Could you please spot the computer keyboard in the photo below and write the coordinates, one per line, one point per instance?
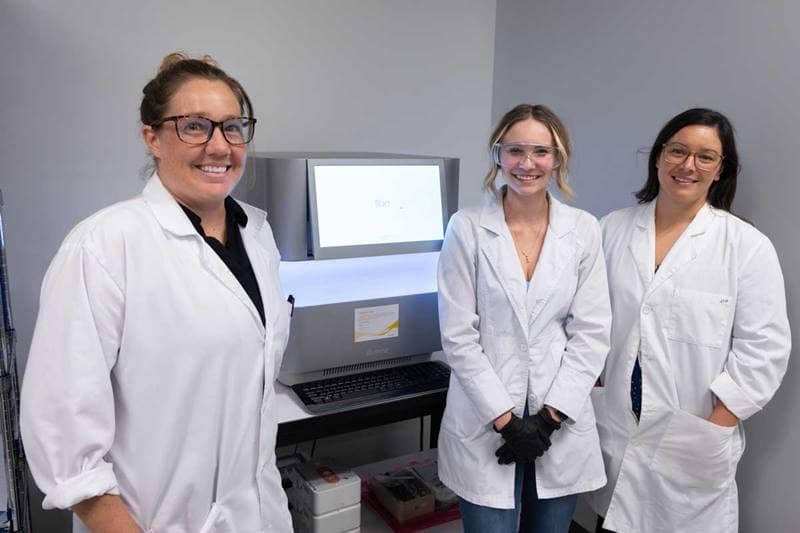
(397, 382)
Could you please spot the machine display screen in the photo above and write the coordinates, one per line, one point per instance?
(389, 208)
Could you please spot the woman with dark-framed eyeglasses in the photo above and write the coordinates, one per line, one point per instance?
(525, 322)
(700, 338)
(148, 400)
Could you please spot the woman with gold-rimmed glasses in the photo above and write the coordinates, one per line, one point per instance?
(148, 401)
(700, 337)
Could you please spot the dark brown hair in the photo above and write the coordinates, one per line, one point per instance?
(176, 69)
(722, 191)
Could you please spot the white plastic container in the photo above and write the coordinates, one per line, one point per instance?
(342, 520)
(321, 487)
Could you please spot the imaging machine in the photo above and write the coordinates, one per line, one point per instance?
(359, 237)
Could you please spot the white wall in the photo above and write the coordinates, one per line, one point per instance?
(616, 71)
(412, 76)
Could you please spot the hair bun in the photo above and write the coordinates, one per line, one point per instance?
(170, 60)
(176, 69)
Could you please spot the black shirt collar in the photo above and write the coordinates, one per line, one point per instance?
(234, 214)
(233, 253)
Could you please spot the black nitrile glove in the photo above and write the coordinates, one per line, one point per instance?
(526, 438)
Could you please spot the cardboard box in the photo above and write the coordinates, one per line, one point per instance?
(429, 474)
(403, 494)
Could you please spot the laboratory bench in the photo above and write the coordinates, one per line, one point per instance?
(296, 425)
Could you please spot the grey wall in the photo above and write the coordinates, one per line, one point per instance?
(411, 76)
(616, 71)
(415, 77)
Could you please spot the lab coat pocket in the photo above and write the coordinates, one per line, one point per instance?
(598, 397)
(216, 522)
(586, 422)
(698, 317)
(694, 452)
(460, 417)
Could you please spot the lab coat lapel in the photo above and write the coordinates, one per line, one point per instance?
(212, 262)
(556, 253)
(172, 218)
(498, 248)
(259, 262)
(642, 246)
(686, 249)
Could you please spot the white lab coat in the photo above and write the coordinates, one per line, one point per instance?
(711, 321)
(509, 343)
(151, 375)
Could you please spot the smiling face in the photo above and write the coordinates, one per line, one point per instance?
(199, 176)
(684, 184)
(528, 175)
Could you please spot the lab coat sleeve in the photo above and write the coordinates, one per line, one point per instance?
(587, 327)
(459, 321)
(67, 404)
(761, 340)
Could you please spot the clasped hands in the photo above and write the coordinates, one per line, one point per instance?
(526, 438)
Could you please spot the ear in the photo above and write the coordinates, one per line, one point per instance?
(152, 141)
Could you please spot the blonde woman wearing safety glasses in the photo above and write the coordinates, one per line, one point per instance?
(700, 339)
(525, 320)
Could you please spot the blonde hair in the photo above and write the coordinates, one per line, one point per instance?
(557, 129)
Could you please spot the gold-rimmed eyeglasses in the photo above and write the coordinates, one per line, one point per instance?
(676, 154)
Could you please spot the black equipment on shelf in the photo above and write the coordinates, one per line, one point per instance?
(15, 464)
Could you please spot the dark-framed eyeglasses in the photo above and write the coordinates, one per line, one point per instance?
(195, 129)
(676, 154)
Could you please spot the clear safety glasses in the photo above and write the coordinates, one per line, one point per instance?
(511, 154)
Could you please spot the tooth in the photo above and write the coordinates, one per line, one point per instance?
(213, 169)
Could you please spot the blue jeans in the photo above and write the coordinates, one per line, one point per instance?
(552, 515)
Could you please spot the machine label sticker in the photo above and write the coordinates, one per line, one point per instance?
(373, 323)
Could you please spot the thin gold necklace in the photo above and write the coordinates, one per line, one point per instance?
(539, 236)
(525, 254)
